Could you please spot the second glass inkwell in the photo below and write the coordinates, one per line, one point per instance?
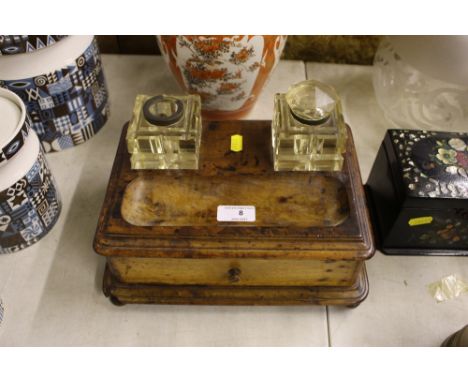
(308, 130)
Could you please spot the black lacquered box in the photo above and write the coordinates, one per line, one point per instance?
(418, 193)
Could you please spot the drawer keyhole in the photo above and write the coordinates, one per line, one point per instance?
(234, 275)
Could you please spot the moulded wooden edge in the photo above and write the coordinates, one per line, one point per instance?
(423, 252)
(124, 293)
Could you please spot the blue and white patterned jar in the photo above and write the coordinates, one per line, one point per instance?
(13, 134)
(15, 44)
(63, 88)
(29, 200)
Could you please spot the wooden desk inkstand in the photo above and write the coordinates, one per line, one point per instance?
(281, 220)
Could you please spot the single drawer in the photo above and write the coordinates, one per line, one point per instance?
(253, 272)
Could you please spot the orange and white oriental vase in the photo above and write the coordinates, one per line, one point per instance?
(228, 72)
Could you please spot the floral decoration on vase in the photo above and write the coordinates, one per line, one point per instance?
(228, 72)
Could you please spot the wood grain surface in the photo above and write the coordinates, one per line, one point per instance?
(283, 199)
(127, 293)
(250, 272)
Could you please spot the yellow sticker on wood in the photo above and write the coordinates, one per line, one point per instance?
(420, 221)
(236, 143)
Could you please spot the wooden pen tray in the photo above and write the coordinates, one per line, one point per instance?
(297, 199)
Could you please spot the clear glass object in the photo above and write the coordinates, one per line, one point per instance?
(447, 288)
(308, 130)
(165, 132)
(412, 99)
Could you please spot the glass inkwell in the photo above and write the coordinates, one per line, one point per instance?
(165, 132)
(308, 130)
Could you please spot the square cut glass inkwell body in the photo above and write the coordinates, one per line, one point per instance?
(308, 130)
(165, 132)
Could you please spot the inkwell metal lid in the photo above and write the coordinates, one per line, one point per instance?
(311, 102)
(163, 110)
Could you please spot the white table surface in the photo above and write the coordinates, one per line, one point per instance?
(52, 290)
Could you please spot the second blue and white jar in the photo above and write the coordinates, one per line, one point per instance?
(63, 88)
(29, 200)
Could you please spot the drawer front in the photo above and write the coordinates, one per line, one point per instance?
(234, 272)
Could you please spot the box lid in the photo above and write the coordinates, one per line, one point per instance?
(429, 165)
(173, 213)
